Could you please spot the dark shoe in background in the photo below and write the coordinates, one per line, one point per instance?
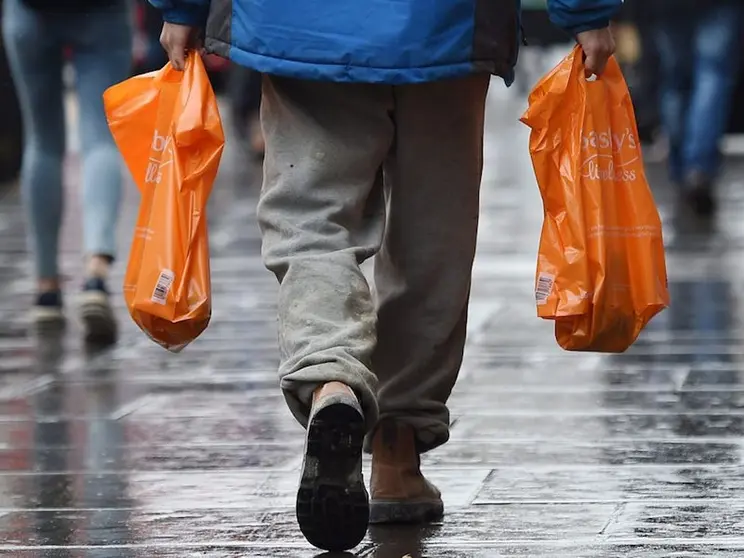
(699, 195)
(96, 313)
(48, 310)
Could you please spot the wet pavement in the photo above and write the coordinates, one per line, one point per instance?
(139, 453)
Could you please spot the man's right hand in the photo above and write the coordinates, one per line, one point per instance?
(598, 45)
(177, 40)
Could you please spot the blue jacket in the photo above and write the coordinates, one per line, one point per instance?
(374, 41)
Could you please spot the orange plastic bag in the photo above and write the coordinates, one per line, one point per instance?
(601, 273)
(168, 129)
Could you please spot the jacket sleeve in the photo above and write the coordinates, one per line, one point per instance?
(184, 12)
(582, 15)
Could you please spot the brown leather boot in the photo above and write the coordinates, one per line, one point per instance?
(257, 141)
(400, 493)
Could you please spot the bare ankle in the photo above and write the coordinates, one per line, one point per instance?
(99, 266)
(48, 284)
(331, 387)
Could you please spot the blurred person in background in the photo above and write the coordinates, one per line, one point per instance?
(99, 35)
(373, 117)
(150, 55)
(245, 98)
(698, 44)
(636, 53)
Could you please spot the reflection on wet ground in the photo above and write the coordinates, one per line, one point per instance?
(138, 453)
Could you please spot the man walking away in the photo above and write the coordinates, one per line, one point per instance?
(373, 118)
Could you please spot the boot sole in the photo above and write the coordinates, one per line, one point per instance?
(332, 502)
(47, 316)
(404, 513)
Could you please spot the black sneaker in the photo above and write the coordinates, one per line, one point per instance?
(48, 309)
(96, 314)
(699, 195)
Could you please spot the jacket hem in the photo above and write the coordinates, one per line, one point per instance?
(319, 71)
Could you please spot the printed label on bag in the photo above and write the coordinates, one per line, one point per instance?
(544, 288)
(612, 156)
(160, 294)
(162, 148)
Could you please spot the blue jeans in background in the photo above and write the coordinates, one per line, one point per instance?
(699, 58)
(101, 45)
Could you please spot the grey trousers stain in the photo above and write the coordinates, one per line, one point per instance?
(354, 171)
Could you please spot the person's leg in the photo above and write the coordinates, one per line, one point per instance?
(35, 57)
(257, 143)
(245, 93)
(717, 46)
(241, 101)
(152, 25)
(321, 215)
(423, 275)
(102, 54)
(675, 53)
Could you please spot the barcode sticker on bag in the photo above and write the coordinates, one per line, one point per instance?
(544, 287)
(160, 294)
